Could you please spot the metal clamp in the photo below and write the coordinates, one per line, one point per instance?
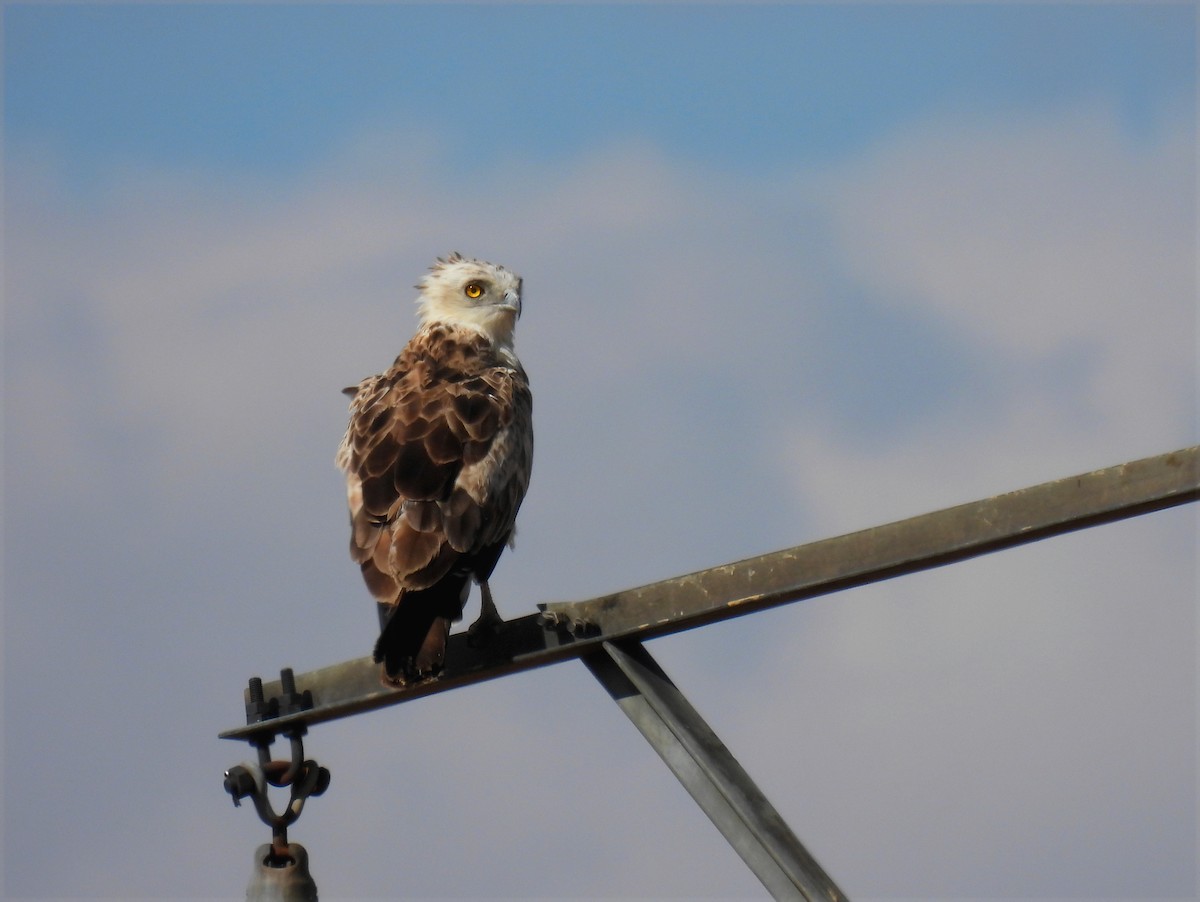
(304, 776)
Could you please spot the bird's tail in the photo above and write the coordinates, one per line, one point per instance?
(412, 638)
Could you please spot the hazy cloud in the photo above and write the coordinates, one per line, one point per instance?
(723, 365)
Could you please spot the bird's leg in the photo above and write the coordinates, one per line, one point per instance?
(488, 625)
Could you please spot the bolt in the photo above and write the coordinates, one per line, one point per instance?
(256, 709)
(239, 783)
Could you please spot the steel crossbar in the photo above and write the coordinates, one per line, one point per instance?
(572, 629)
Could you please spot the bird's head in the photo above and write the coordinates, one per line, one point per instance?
(472, 293)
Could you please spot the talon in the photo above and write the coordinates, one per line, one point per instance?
(563, 622)
(406, 680)
(391, 682)
(480, 634)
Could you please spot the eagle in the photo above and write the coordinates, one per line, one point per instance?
(437, 457)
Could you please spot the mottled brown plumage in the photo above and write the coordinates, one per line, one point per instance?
(437, 456)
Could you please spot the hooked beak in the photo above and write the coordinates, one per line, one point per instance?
(512, 301)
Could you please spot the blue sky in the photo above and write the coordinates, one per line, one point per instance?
(275, 88)
(790, 270)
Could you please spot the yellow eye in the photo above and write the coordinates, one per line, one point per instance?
(473, 290)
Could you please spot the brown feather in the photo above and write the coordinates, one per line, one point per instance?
(441, 444)
(436, 570)
(410, 551)
(437, 456)
(380, 458)
(380, 584)
(423, 516)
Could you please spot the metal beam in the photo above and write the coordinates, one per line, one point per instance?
(906, 546)
(806, 571)
(709, 772)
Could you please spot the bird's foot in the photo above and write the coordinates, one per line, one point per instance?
(484, 630)
(567, 623)
(408, 676)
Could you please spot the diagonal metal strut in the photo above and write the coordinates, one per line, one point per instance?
(709, 772)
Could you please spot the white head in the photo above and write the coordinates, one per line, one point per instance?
(471, 293)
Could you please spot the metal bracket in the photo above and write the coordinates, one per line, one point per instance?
(304, 776)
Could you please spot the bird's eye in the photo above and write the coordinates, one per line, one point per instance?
(473, 290)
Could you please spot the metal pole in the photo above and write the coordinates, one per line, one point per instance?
(709, 772)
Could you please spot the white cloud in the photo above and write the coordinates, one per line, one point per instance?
(1028, 230)
(1044, 236)
(1060, 248)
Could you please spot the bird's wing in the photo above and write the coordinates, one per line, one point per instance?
(429, 460)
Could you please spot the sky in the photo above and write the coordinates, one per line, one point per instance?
(790, 270)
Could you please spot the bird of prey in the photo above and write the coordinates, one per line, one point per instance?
(437, 457)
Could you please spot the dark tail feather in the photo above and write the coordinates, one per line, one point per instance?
(412, 642)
